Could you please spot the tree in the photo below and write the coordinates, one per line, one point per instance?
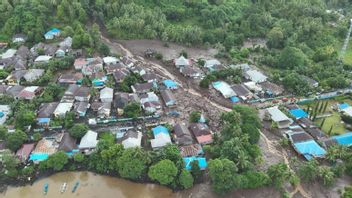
(15, 140)
(292, 58)
(132, 163)
(79, 157)
(279, 174)
(24, 118)
(78, 130)
(195, 171)
(275, 38)
(164, 172)
(222, 173)
(185, 179)
(326, 175)
(57, 161)
(104, 49)
(308, 171)
(252, 132)
(132, 110)
(194, 116)
(37, 137)
(3, 132)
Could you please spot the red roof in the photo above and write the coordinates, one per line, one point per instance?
(24, 152)
(205, 139)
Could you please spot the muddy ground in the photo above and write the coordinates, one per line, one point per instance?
(168, 50)
(190, 97)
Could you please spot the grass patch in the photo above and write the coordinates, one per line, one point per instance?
(333, 120)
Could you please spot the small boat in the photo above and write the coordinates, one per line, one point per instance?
(46, 188)
(63, 187)
(75, 187)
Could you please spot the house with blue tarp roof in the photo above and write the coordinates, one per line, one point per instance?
(52, 34)
(202, 162)
(344, 139)
(160, 129)
(309, 149)
(343, 106)
(298, 113)
(170, 84)
(234, 99)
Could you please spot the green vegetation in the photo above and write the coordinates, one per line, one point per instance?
(78, 130)
(164, 172)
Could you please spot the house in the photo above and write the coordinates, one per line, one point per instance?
(106, 94)
(5, 110)
(64, 47)
(62, 108)
(99, 79)
(10, 53)
(15, 77)
(14, 90)
(123, 99)
(33, 75)
(224, 88)
(127, 61)
(45, 113)
(71, 78)
(150, 77)
(191, 72)
(52, 34)
(67, 143)
(80, 63)
(20, 64)
(22, 53)
(82, 94)
(88, 142)
(42, 59)
(168, 97)
(102, 109)
(28, 93)
(109, 60)
(182, 135)
(202, 162)
(94, 65)
(3, 89)
(141, 88)
(170, 84)
(138, 70)
(191, 150)
(120, 75)
(202, 133)
(311, 82)
(131, 139)
(81, 108)
(111, 68)
(255, 76)
(69, 94)
(24, 152)
(44, 148)
(182, 62)
(60, 53)
(19, 38)
(150, 102)
(254, 87)
(161, 137)
(244, 67)
(271, 89)
(278, 117)
(212, 64)
(242, 92)
(6, 63)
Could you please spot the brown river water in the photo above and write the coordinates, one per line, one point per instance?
(91, 186)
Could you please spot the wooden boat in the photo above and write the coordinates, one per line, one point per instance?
(63, 187)
(46, 188)
(75, 187)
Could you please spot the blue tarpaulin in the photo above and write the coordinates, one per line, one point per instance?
(310, 149)
(343, 106)
(344, 139)
(202, 162)
(170, 84)
(160, 129)
(298, 113)
(43, 120)
(38, 156)
(234, 99)
(1, 114)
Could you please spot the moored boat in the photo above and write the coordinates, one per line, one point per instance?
(46, 188)
(63, 187)
(75, 187)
